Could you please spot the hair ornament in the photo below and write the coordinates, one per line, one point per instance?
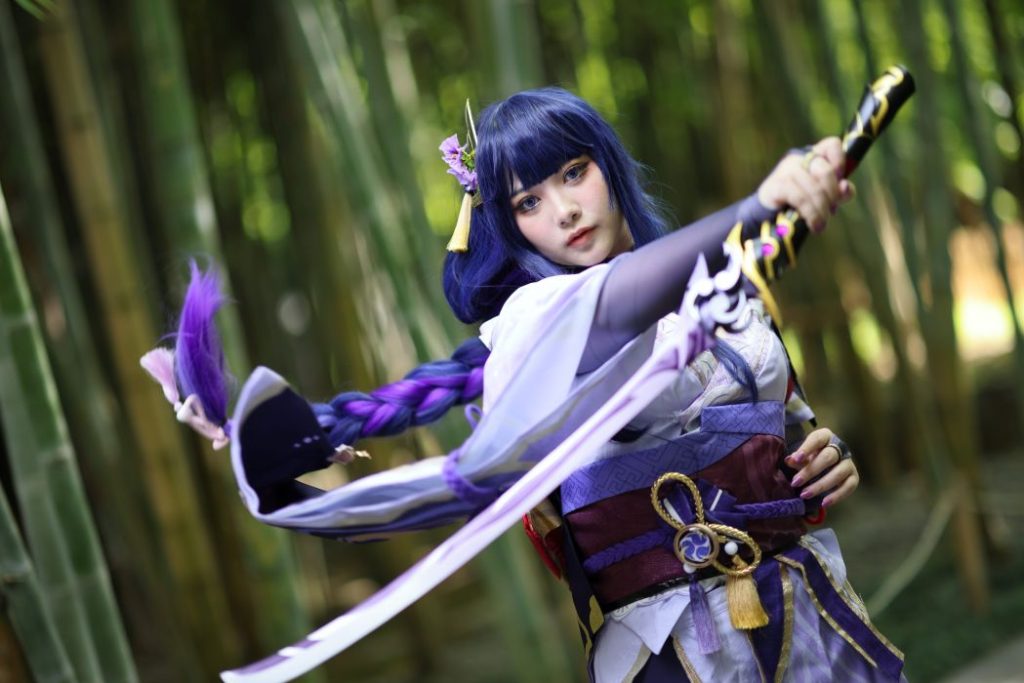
(461, 160)
(159, 363)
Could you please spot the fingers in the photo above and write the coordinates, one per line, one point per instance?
(812, 443)
(848, 485)
(813, 458)
(838, 476)
(811, 183)
(831, 149)
(819, 462)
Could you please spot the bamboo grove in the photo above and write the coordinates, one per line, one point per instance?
(293, 144)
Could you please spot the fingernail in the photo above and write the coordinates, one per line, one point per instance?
(797, 480)
(825, 503)
(819, 225)
(806, 493)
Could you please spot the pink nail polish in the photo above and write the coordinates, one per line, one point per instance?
(806, 493)
(797, 480)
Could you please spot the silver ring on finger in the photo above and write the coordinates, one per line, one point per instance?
(841, 448)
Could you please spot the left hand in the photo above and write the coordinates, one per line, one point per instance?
(815, 456)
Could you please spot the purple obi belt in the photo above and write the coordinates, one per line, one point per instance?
(626, 548)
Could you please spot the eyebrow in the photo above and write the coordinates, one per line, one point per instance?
(517, 189)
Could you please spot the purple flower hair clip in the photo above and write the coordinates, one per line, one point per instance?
(461, 162)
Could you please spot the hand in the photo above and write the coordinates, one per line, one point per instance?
(811, 183)
(815, 456)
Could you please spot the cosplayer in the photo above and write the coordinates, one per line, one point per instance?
(684, 541)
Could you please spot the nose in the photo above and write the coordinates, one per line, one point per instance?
(568, 210)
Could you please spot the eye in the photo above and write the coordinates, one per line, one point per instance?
(576, 171)
(527, 203)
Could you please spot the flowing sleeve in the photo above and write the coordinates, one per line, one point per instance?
(534, 398)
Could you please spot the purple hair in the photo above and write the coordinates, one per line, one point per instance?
(198, 354)
(421, 397)
(529, 136)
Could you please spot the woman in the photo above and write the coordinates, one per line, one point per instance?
(566, 264)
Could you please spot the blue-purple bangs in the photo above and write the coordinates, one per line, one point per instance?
(528, 137)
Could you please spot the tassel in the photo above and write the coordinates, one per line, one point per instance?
(707, 636)
(745, 610)
(460, 237)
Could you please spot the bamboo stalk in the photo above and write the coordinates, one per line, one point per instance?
(315, 34)
(981, 144)
(56, 515)
(26, 606)
(268, 600)
(109, 243)
(945, 366)
(99, 436)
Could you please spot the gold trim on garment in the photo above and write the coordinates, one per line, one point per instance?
(688, 668)
(865, 618)
(787, 624)
(821, 610)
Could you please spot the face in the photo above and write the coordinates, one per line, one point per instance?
(569, 217)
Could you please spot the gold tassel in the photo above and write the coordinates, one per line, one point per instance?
(460, 237)
(745, 610)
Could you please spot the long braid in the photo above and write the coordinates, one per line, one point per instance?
(421, 397)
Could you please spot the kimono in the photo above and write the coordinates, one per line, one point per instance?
(671, 625)
(636, 609)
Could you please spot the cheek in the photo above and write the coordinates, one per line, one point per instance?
(530, 229)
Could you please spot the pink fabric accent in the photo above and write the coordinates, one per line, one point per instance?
(191, 413)
(159, 363)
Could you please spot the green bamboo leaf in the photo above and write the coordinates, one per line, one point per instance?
(36, 8)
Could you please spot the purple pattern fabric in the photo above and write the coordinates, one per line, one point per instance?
(628, 548)
(857, 628)
(723, 429)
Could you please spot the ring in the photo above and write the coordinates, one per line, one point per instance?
(841, 448)
(808, 159)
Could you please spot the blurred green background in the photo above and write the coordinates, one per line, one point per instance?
(294, 144)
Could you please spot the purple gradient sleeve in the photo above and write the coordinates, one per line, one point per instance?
(647, 284)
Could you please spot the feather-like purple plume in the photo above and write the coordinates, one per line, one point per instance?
(198, 355)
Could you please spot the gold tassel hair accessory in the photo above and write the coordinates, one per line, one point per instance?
(461, 160)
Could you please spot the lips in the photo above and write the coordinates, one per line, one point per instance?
(580, 237)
